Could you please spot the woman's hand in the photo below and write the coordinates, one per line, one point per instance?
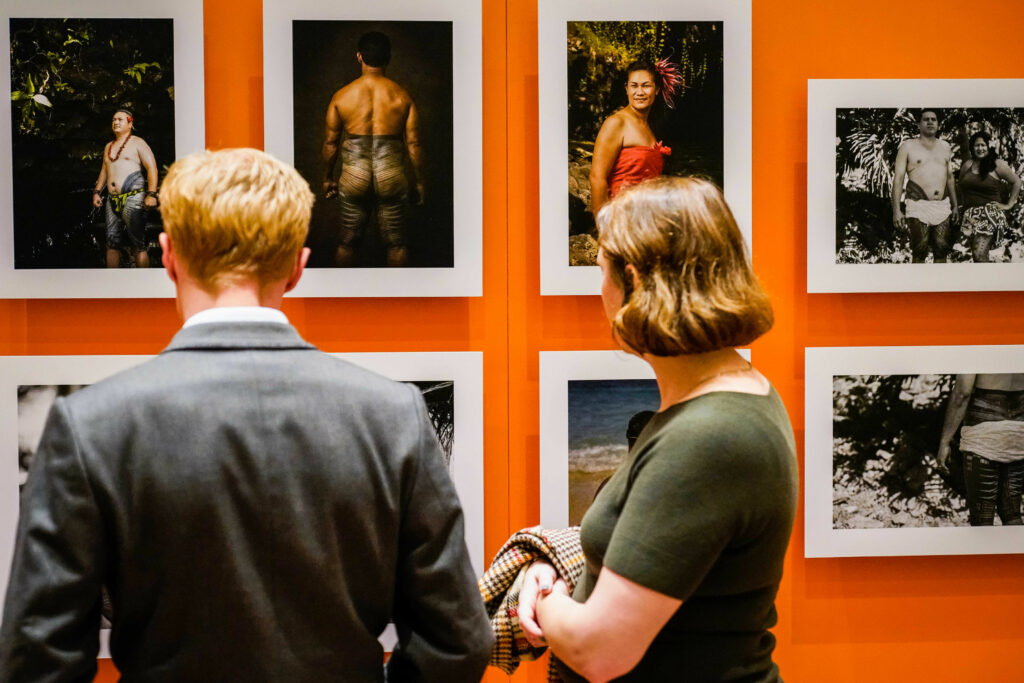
(942, 457)
(540, 580)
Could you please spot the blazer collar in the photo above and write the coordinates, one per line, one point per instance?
(228, 336)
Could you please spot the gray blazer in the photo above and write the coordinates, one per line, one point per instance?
(259, 511)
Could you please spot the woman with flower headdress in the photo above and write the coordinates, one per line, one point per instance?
(626, 151)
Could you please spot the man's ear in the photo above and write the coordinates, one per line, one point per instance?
(300, 264)
(168, 258)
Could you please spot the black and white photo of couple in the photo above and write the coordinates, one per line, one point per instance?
(929, 185)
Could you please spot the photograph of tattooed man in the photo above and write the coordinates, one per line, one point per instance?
(383, 159)
(92, 116)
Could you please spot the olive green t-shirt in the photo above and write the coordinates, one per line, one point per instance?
(702, 510)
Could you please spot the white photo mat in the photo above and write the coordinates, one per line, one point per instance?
(465, 369)
(189, 137)
(556, 275)
(465, 277)
(824, 97)
(556, 370)
(821, 366)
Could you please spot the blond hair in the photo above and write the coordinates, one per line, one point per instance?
(697, 292)
(235, 214)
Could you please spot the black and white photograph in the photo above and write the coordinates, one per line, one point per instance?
(451, 385)
(925, 184)
(363, 102)
(101, 106)
(34, 402)
(593, 406)
(920, 454)
(629, 93)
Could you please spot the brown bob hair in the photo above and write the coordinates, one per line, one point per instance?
(696, 291)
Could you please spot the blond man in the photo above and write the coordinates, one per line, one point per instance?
(257, 509)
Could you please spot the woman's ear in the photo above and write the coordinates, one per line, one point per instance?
(634, 276)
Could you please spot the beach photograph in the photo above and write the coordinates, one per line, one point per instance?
(603, 417)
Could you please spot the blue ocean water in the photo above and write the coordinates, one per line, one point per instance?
(599, 411)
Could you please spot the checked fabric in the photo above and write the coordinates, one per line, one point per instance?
(501, 583)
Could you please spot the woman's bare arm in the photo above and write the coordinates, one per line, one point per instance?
(606, 636)
(1004, 171)
(955, 411)
(606, 150)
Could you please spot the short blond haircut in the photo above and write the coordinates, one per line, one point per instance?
(235, 215)
(697, 292)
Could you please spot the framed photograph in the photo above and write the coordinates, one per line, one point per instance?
(914, 185)
(395, 214)
(914, 450)
(451, 383)
(627, 92)
(593, 405)
(101, 98)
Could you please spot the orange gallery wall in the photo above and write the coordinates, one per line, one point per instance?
(880, 619)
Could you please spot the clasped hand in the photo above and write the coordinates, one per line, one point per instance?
(541, 580)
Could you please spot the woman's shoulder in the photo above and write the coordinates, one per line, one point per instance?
(736, 417)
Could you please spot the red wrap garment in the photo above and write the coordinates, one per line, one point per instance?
(635, 165)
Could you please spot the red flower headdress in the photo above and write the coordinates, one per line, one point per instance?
(671, 80)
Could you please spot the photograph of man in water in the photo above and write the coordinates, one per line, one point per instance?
(605, 418)
(92, 113)
(929, 185)
(373, 135)
(645, 99)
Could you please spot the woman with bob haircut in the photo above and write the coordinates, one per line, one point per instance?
(684, 546)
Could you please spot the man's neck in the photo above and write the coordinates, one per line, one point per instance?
(373, 70)
(120, 137)
(192, 299)
(927, 140)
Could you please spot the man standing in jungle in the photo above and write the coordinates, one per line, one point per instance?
(931, 191)
(129, 193)
(381, 134)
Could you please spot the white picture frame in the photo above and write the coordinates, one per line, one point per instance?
(465, 277)
(822, 365)
(557, 277)
(189, 137)
(824, 98)
(556, 370)
(464, 368)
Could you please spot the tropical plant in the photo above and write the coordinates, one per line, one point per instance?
(68, 76)
(886, 431)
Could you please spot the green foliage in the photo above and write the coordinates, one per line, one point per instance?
(64, 69)
(599, 52)
(68, 76)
